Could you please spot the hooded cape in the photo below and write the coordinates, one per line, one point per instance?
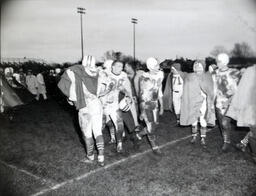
(243, 105)
(167, 96)
(192, 99)
(12, 97)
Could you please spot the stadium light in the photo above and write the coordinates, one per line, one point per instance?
(134, 21)
(81, 11)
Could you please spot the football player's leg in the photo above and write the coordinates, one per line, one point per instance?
(203, 123)
(150, 119)
(134, 114)
(128, 121)
(179, 106)
(97, 132)
(112, 131)
(85, 122)
(252, 140)
(156, 116)
(225, 126)
(203, 130)
(244, 142)
(176, 105)
(226, 123)
(117, 119)
(194, 131)
(44, 96)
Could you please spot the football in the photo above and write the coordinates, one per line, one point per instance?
(124, 105)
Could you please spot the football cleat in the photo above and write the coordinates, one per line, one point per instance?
(203, 143)
(141, 133)
(193, 140)
(225, 147)
(101, 160)
(119, 147)
(241, 146)
(88, 159)
(101, 163)
(157, 151)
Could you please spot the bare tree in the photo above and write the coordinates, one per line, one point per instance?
(111, 54)
(243, 50)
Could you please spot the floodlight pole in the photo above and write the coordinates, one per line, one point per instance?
(134, 21)
(81, 11)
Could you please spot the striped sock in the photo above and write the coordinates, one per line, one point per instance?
(89, 146)
(111, 130)
(152, 141)
(245, 141)
(203, 131)
(100, 144)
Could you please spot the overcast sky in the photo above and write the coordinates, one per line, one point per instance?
(50, 29)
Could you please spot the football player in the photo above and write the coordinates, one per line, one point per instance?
(118, 82)
(150, 94)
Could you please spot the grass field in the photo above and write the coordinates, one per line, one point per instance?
(42, 152)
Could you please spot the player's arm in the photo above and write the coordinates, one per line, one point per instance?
(72, 91)
(136, 84)
(103, 89)
(160, 99)
(160, 95)
(127, 90)
(104, 85)
(128, 87)
(137, 81)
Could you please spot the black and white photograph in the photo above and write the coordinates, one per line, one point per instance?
(128, 98)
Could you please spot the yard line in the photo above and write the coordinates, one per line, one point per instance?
(25, 172)
(83, 176)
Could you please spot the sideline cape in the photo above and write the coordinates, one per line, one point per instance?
(81, 77)
(167, 96)
(243, 104)
(12, 97)
(192, 100)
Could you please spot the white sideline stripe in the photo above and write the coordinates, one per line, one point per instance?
(105, 167)
(24, 171)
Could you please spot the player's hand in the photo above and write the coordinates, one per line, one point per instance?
(128, 100)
